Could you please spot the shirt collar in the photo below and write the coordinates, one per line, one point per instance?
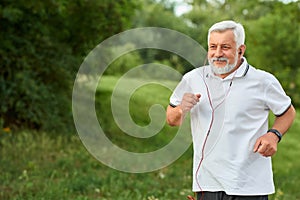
(243, 69)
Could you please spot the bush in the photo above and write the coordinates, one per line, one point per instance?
(42, 46)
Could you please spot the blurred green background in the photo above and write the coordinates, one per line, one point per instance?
(42, 45)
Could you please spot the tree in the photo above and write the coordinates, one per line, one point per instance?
(42, 46)
(274, 45)
(161, 14)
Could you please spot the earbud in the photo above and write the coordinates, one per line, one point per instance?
(240, 52)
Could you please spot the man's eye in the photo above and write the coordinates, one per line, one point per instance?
(225, 47)
(212, 47)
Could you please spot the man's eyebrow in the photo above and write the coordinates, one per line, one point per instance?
(223, 44)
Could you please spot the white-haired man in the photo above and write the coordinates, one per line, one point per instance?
(229, 103)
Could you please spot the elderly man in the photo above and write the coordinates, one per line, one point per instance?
(229, 103)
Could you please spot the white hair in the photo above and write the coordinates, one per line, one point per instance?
(237, 28)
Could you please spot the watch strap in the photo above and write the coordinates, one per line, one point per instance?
(276, 132)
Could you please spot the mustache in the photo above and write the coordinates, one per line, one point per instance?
(219, 59)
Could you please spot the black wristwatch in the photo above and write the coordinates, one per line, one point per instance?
(276, 132)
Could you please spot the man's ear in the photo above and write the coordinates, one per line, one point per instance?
(242, 49)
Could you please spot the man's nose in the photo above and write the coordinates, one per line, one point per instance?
(219, 52)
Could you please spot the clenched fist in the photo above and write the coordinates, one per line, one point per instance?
(189, 100)
(176, 115)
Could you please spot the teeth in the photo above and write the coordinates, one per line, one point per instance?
(219, 59)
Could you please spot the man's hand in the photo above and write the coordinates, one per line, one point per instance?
(189, 100)
(266, 145)
(176, 115)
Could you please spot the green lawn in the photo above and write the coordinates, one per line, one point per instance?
(37, 165)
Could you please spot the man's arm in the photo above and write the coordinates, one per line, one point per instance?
(174, 116)
(266, 145)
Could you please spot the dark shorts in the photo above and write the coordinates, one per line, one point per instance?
(224, 196)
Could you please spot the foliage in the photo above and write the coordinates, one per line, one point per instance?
(278, 45)
(124, 63)
(42, 44)
(161, 14)
(33, 65)
(90, 22)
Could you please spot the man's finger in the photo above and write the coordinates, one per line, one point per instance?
(262, 148)
(256, 146)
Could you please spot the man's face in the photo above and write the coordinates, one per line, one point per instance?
(222, 45)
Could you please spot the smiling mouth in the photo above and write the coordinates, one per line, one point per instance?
(219, 59)
(220, 62)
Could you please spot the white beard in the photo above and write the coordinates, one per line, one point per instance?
(222, 70)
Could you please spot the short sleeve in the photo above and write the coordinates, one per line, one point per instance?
(182, 88)
(276, 99)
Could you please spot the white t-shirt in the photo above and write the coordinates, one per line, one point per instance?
(235, 110)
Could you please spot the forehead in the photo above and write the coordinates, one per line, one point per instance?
(224, 37)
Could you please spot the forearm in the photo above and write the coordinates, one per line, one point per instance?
(283, 123)
(174, 116)
(266, 145)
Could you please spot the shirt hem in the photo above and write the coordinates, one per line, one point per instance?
(233, 192)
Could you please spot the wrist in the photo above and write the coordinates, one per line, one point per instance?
(276, 132)
(174, 115)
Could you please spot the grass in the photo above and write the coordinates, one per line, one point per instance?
(38, 165)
